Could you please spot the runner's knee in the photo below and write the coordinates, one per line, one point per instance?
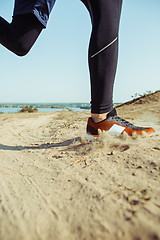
(21, 50)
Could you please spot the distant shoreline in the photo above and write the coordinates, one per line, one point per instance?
(45, 107)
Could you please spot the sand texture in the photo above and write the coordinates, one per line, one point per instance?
(55, 185)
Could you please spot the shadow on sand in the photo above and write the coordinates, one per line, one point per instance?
(42, 146)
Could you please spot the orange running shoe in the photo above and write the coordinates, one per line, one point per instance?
(115, 124)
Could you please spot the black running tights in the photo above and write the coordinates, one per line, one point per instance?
(103, 51)
(21, 34)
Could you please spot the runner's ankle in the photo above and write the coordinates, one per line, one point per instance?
(98, 117)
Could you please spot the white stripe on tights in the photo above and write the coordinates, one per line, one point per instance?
(104, 47)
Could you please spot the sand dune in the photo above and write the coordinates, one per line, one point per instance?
(55, 185)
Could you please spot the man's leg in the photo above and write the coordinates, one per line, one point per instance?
(20, 35)
(103, 53)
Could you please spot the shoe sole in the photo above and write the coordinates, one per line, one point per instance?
(91, 138)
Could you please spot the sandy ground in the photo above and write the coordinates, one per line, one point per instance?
(54, 185)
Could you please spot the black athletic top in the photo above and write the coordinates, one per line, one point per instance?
(40, 8)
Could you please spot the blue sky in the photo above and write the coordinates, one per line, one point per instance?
(56, 69)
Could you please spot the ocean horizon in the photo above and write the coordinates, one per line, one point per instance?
(45, 107)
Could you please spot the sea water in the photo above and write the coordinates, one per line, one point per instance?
(45, 107)
(41, 109)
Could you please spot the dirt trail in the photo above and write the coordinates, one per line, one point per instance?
(54, 185)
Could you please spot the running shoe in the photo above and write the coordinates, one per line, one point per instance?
(115, 124)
